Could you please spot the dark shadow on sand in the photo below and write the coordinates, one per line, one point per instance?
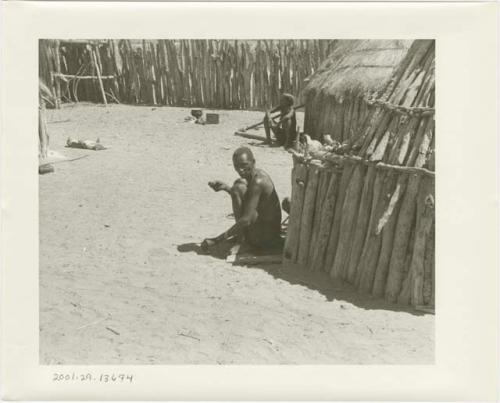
(316, 281)
(218, 251)
(322, 283)
(190, 247)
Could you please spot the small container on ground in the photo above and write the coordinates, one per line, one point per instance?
(212, 118)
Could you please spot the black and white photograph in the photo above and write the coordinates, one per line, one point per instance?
(249, 201)
(236, 201)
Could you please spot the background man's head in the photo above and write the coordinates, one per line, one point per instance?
(244, 162)
(287, 100)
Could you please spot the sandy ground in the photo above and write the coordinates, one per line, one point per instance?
(121, 280)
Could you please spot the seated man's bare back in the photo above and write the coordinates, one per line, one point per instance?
(265, 230)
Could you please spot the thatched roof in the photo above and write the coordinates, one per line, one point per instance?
(412, 83)
(401, 131)
(357, 67)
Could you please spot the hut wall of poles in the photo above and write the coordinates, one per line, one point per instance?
(336, 96)
(367, 217)
(225, 74)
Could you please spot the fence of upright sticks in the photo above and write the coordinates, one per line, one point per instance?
(367, 217)
(226, 74)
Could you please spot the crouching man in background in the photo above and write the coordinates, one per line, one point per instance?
(285, 129)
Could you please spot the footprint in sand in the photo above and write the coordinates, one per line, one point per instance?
(158, 255)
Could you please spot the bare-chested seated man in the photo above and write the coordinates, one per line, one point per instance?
(256, 206)
(285, 129)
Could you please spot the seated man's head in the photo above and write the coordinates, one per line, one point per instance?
(244, 162)
(286, 100)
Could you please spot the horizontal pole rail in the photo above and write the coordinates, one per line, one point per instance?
(410, 110)
(341, 159)
(73, 76)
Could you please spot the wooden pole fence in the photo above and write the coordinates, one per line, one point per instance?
(225, 74)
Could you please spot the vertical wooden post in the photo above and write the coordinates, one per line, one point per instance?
(43, 135)
(327, 212)
(57, 77)
(99, 79)
(299, 178)
(307, 214)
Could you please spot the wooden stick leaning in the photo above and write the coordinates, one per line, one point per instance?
(298, 175)
(327, 212)
(386, 230)
(388, 220)
(326, 115)
(348, 112)
(374, 131)
(308, 214)
(337, 253)
(353, 119)
(337, 217)
(101, 86)
(290, 234)
(384, 184)
(324, 180)
(362, 222)
(401, 239)
(75, 76)
(349, 215)
(250, 136)
(412, 290)
(58, 71)
(429, 267)
(366, 128)
(405, 218)
(296, 216)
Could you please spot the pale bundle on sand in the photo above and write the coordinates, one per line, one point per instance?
(85, 144)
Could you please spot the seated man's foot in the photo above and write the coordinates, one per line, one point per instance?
(207, 244)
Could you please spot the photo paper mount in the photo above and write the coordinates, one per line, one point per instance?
(466, 237)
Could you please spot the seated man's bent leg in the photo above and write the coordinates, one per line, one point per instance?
(271, 127)
(237, 194)
(287, 134)
(294, 140)
(280, 135)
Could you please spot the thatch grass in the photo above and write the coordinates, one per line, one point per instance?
(357, 67)
(413, 81)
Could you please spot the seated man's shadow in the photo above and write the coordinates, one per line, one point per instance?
(219, 251)
(225, 248)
